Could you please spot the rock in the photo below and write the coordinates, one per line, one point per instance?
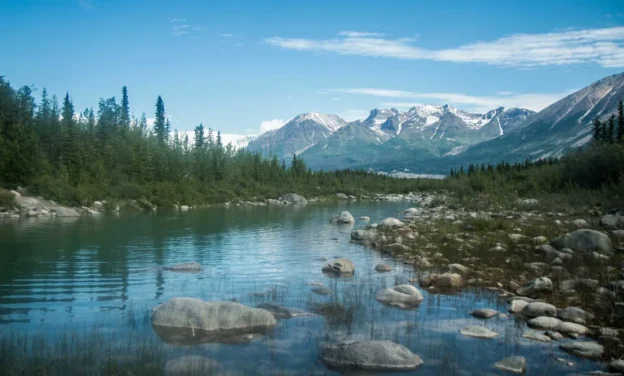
(196, 314)
(536, 336)
(369, 356)
(571, 328)
(293, 198)
(364, 236)
(192, 266)
(527, 201)
(364, 218)
(516, 305)
(445, 280)
(555, 336)
(98, 204)
(613, 220)
(191, 365)
(184, 208)
(396, 248)
(322, 290)
(517, 237)
(546, 251)
(574, 314)
(584, 240)
(339, 266)
(484, 313)
(536, 309)
(342, 196)
(514, 364)
(283, 312)
(343, 218)
(619, 234)
(65, 212)
(540, 240)
(459, 269)
(390, 223)
(477, 331)
(617, 366)
(536, 287)
(580, 223)
(544, 322)
(579, 284)
(383, 268)
(590, 350)
(32, 213)
(400, 294)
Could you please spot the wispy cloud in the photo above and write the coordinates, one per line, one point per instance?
(531, 101)
(269, 125)
(604, 47)
(174, 20)
(226, 35)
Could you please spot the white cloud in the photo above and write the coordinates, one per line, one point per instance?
(334, 98)
(151, 121)
(359, 34)
(174, 20)
(531, 101)
(179, 27)
(600, 46)
(226, 35)
(238, 45)
(269, 125)
(178, 32)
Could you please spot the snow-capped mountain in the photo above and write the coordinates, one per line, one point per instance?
(390, 136)
(557, 129)
(297, 135)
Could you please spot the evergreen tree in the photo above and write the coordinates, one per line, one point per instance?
(597, 127)
(199, 136)
(611, 129)
(620, 132)
(160, 127)
(125, 109)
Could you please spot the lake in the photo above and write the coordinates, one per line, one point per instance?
(89, 284)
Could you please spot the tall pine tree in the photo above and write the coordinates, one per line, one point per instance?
(597, 127)
(125, 109)
(160, 127)
(611, 129)
(620, 132)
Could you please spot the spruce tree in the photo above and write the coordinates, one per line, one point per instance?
(125, 109)
(597, 127)
(160, 127)
(620, 132)
(611, 129)
(199, 136)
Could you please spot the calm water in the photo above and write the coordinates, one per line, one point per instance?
(107, 271)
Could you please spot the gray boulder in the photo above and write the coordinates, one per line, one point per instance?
(590, 350)
(478, 331)
(484, 313)
(459, 269)
(536, 309)
(294, 198)
(613, 220)
(571, 328)
(196, 314)
(62, 211)
(575, 315)
(322, 290)
(339, 266)
(536, 287)
(390, 223)
(343, 218)
(364, 236)
(584, 240)
(617, 366)
(342, 196)
(383, 268)
(536, 336)
(516, 305)
(514, 364)
(400, 294)
(544, 322)
(369, 356)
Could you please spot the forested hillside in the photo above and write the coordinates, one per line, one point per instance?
(76, 157)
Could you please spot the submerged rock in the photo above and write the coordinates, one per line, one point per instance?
(343, 218)
(514, 364)
(536, 336)
(369, 356)
(383, 268)
(192, 266)
(339, 266)
(584, 240)
(198, 314)
(283, 312)
(478, 331)
(484, 313)
(191, 365)
(590, 350)
(400, 294)
(322, 290)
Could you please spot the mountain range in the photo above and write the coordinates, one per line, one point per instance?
(433, 139)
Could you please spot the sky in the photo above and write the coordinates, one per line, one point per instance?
(244, 67)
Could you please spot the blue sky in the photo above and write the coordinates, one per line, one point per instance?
(237, 65)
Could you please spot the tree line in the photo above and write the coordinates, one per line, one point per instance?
(611, 130)
(77, 157)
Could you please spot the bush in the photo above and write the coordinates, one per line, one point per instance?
(7, 199)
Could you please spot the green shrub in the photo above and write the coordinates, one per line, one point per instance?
(7, 199)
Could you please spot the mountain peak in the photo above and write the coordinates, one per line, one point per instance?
(331, 122)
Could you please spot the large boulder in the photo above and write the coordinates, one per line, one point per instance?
(535, 309)
(390, 223)
(342, 196)
(591, 350)
(196, 314)
(536, 287)
(584, 240)
(516, 305)
(444, 280)
(459, 269)
(62, 211)
(369, 356)
(294, 198)
(544, 322)
(406, 294)
(574, 314)
(339, 266)
(343, 218)
(364, 236)
(571, 328)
